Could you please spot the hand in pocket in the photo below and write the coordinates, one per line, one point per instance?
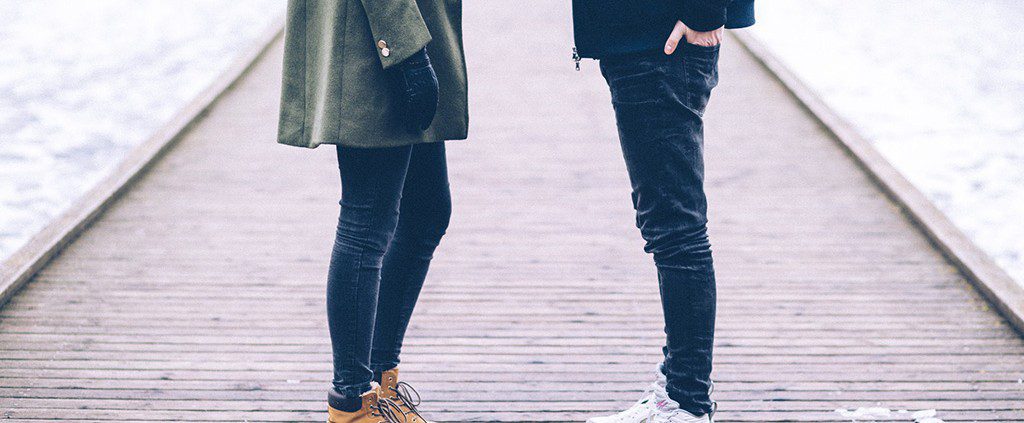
(683, 33)
(415, 87)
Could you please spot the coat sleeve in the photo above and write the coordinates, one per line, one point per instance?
(398, 29)
(704, 15)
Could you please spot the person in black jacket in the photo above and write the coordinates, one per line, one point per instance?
(660, 59)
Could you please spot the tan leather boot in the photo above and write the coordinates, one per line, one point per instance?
(401, 396)
(368, 413)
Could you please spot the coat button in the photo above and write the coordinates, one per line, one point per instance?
(383, 46)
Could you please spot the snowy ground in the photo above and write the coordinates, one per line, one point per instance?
(873, 414)
(937, 85)
(81, 82)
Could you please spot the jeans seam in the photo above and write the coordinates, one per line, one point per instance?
(358, 267)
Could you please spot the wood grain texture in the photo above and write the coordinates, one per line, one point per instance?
(199, 295)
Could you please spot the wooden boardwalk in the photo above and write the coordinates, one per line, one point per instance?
(199, 295)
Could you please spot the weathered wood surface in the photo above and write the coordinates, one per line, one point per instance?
(199, 295)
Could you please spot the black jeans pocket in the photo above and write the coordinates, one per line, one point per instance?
(634, 81)
(700, 69)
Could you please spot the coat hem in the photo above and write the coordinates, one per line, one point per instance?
(375, 145)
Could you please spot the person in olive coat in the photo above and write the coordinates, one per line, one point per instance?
(385, 82)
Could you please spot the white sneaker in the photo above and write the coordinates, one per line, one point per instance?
(666, 410)
(640, 410)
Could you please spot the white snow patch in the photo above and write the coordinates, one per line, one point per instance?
(864, 414)
(82, 82)
(945, 107)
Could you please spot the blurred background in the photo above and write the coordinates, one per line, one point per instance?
(82, 82)
(937, 85)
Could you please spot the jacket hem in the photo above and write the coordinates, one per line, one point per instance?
(400, 143)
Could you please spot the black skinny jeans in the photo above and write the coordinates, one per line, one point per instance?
(659, 105)
(395, 207)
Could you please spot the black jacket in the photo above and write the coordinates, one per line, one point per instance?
(611, 27)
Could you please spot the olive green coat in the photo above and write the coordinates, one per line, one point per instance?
(335, 91)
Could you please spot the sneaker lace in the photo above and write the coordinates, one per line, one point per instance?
(714, 404)
(651, 390)
(678, 411)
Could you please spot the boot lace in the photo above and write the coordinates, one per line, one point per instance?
(395, 411)
(407, 394)
(390, 411)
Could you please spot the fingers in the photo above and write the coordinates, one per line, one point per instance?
(715, 37)
(706, 39)
(673, 39)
